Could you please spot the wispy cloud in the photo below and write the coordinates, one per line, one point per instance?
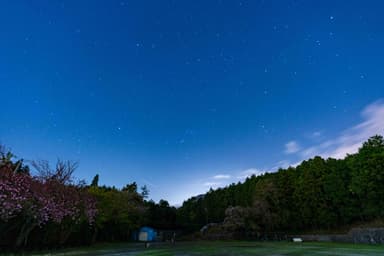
(349, 141)
(222, 176)
(249, 172)
(212, 184)
(291, 147)
(281, 164)
(222, 180)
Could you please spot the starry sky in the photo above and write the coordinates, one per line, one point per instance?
(183, 96)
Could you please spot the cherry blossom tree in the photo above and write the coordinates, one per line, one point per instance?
(51, 197)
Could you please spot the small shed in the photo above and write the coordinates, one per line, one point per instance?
(147, 234)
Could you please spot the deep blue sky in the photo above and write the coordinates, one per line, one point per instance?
(187, 95)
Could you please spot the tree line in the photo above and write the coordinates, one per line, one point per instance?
(318, 194)
(49, 209)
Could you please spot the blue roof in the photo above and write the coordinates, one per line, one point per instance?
(146, 229)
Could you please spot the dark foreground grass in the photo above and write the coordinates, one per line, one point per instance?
(225, 249)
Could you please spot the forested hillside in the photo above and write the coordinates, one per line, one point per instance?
(317, 194)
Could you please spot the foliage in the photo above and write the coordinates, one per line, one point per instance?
(161, 215)
(317, 194)
(30, 203)
(50, 210)
(119, 212)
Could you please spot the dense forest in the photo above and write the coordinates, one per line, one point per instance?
(318, 194)
(49, 209)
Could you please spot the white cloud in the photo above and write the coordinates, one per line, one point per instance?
(291, 147)
(220, 180)
(349, 141)
(249, 172)
(281, 164)
(309, 152)
(222, 176)
(212, 184)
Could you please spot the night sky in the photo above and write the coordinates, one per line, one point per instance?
(182, 96)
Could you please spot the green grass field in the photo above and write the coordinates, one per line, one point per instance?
(224, 249)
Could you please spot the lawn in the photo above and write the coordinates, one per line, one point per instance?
(223, 249)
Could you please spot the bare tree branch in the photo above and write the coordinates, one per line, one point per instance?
(62, 173)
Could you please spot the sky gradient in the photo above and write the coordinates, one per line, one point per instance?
(182, 96)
